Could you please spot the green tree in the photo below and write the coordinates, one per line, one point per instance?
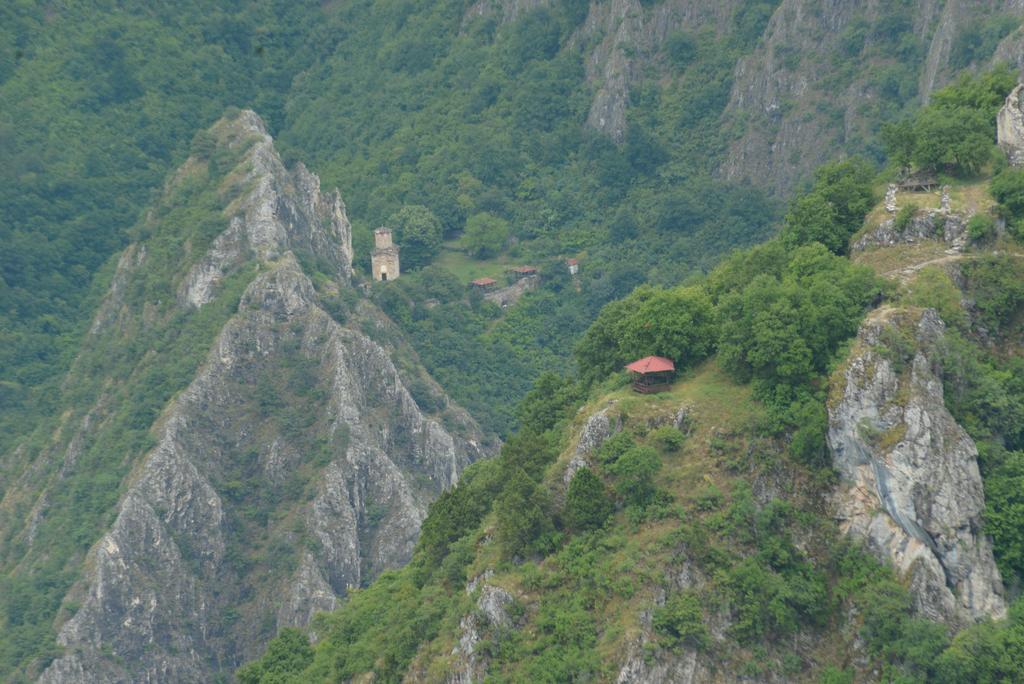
(288, 654)
(986, 652)
(418, 232)
(587, 504)
(782, 329)
(956, 131)
(523, 524)
(552, 398)
(634, 472)
(813, 219)
(1004, 512)
(835, 209)
(679, 324)
(485, 236)
(957, 140)
(1008, 190)
(847, 185)
(680, 622)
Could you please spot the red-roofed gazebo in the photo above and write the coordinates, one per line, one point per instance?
(652, 374)
(484, 283)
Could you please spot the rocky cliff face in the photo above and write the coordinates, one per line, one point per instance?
(1010, 127)
(281, 210)
(909, 480)
(627, 38)
(818, 80)
(797, 102)
(294, 466)
(929, 224)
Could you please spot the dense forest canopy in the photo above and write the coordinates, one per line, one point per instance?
(466, 133)
(475, 122)
(778, 318)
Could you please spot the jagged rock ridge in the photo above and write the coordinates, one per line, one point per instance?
(295, 466)
(909, 480)
(796, 111)
(284, 210)
(1010, 127)
(793, 101)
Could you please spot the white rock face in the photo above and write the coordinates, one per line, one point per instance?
(596, 430)
(1010, 127)
(909, 481)
(468, 666)
(283, 211)
(929, 224)
(294, 466)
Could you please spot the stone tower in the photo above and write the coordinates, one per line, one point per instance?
(384, 259)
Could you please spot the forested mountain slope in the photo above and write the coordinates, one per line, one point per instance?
(620, 130)
(229, 456)
(194, 396)
(830, 492)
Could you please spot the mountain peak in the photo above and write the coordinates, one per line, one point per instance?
(272, 209)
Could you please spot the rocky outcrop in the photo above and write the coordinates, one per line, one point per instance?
(928, 224)
(596, 430)
(280, 210)
(685, 668)
(1010, 127)
(490, 617)
(793, 111)
(909, 483)
(645, 663)
(624, 40)
(295, 465)
(793, 102)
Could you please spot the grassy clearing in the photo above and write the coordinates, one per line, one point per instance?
(453, 259)
(887, 260)
(714, 398)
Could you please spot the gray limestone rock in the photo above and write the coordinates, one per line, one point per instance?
(930, 224)
(284, 210)
(624, 41)
(890, 199)
(780, 90)
(596, 430)
(295, 466)
(1010, 127)
(909, 481)
(491, 616)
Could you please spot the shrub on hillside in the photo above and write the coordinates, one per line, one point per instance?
(587, 504)
(680, 622)
(834, 209)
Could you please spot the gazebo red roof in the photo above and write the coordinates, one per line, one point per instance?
(524, 269)
(651, 364)
(484, 281)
